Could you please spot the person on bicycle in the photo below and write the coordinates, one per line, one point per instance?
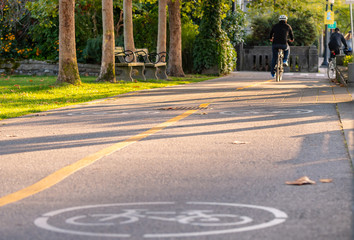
(279, 38)
(335, 43)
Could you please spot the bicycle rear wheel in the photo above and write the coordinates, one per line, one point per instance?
(331, 70)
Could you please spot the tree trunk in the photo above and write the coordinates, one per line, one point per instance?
(108, 62)
(175, 53)
(128, 25)
(161, 36)
(94, 21)
(68, 69)
(119, 24)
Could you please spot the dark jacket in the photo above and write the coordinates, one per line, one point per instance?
(280, 32)
(336, 40)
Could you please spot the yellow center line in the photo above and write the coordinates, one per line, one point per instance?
(253, 85)
(65, 172)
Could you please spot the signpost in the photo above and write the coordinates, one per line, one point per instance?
(329, 17)
(350, 65)
(332, 26)
(351, 19)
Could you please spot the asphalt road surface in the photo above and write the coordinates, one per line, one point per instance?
(200, 161)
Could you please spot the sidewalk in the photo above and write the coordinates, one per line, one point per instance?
(346, 113)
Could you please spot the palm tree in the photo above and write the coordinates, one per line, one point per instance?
(68, 68)
(108, 62)
(175, 52)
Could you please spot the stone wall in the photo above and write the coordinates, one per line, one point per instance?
(42, 68)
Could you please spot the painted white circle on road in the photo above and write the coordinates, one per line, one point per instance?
(160, 219)
(284, 111)
(112, 113)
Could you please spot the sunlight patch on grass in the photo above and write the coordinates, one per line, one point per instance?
(21, 95)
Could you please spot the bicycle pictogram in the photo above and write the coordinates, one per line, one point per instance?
(192, 217)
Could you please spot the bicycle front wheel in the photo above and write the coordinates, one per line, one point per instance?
(279, 73)
(279, 67)
(331, 71)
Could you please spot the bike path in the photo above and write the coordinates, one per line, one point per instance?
(224, 146)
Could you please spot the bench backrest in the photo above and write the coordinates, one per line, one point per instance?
(119, 51)
(123, 55)
(140, 55)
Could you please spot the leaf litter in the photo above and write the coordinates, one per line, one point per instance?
(306, 180)
(301, 181)
(239, 142)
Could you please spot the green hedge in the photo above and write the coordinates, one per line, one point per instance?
(303, 25)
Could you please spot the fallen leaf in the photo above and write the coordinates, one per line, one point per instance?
(301, 181)
(11, 136)
(326, 180)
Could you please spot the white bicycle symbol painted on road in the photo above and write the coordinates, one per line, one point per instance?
(193, 217)
(160, 219)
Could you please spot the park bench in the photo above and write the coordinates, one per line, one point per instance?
(127, 67)
(155, 63)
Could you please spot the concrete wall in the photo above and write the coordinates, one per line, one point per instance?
(258, 58)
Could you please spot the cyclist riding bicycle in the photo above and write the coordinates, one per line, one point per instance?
(335, 43)
(279, 36)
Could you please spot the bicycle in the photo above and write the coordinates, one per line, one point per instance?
(332, 64)
(279, 68)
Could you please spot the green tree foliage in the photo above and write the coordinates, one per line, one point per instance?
(342, 16)
(304, 28)
(212, 46)
(311, 11)
(234, 26)
(146, 37)
(44, 30)
(30, 29)
(14, 24)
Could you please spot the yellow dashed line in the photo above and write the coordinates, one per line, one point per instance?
(253, 85)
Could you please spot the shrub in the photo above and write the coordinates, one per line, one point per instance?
(261, 27)
(92, 53)
(189, 33)
(347, 59)
(212, 47)
(146, 37)
(304, 28)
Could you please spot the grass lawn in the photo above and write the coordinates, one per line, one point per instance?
(21, 95)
